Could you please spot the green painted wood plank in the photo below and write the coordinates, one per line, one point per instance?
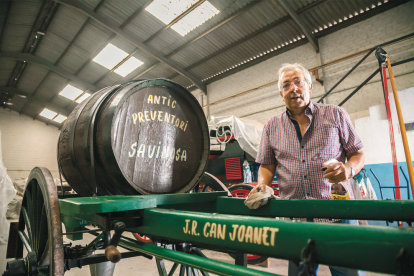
(370, 248)
(104, 204)
(391, 210)
(107, 204)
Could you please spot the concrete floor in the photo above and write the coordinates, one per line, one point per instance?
(140, 266)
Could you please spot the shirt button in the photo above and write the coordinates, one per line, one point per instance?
(304, 176)
(303, 161)
(303, 147)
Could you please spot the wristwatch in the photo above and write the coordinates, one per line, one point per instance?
(352, 169)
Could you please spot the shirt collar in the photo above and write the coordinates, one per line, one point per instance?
(310, 108)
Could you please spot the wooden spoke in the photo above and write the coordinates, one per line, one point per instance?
(161, 267)
(173, 269)
(184, 270)
(27, 223)
(25, 240)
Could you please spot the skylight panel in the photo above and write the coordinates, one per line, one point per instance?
(168, 10)
(128, 66)
(82, 98)
(110, 56)
(48, 114)
(195, 18)
(70, 92)
(60, 118)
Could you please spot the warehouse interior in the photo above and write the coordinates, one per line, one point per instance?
(54, 55)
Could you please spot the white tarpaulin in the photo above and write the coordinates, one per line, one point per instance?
(7, 193)
(247, 132)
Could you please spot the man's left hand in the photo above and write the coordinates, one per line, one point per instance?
(337, 172)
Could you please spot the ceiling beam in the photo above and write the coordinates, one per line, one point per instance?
(40, 61)
(185, 45)
(310, 36)
(41, 101)
(238, 13)
(330, 30)
(236, 43)
(6, 22)
(150, 51)
(132, 17)
(250, 36)
(40, 25)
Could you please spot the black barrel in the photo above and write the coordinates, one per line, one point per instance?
(147, 137)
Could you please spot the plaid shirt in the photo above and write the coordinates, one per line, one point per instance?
(329, 135)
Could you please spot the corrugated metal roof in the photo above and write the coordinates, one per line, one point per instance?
(51, 86)
(73, 39)
(32, 77)
(21, 18)
(119, 11)
(6, 69)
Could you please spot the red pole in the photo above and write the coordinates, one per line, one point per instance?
(391, 131)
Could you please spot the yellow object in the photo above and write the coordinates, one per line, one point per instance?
(402, 128)
(341, 197)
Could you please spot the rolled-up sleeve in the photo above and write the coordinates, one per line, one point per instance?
(349, 138)
(265, 154)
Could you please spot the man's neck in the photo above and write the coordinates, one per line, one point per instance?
(298, 112)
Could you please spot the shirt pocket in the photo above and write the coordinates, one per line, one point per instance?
(329, 144)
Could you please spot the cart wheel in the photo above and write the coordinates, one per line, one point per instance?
(210, 181)
(40, 229)
(243, 190)
(184, 270)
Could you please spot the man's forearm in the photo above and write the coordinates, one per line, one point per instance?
(357, 160)
(266, 174)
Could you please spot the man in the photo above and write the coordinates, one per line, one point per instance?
(297, 142)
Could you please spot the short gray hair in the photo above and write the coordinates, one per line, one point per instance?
(295, 66)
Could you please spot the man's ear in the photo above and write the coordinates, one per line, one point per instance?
(281, 94)
(310, 88)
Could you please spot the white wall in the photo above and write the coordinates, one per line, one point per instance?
(26, 143)
(374, 133)
(266, 102)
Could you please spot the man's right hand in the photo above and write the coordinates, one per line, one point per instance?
(258, 188)
(264, 178)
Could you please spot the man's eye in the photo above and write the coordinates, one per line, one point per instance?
(286, 85)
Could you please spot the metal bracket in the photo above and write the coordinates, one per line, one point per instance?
(99, 258)
(308, 257)
(380, 54)
(241, 259)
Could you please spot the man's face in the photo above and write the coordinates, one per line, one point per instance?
(295, 90)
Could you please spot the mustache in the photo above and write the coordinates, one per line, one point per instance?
(296, 96)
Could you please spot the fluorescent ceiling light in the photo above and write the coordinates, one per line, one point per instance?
(59, 118)
(48, 114)
(111, 55)
(168, 10)
(195, 18)
(82, 98)
(70, 92)
(128, 66)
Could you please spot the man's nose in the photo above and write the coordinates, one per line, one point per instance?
(293, 88)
